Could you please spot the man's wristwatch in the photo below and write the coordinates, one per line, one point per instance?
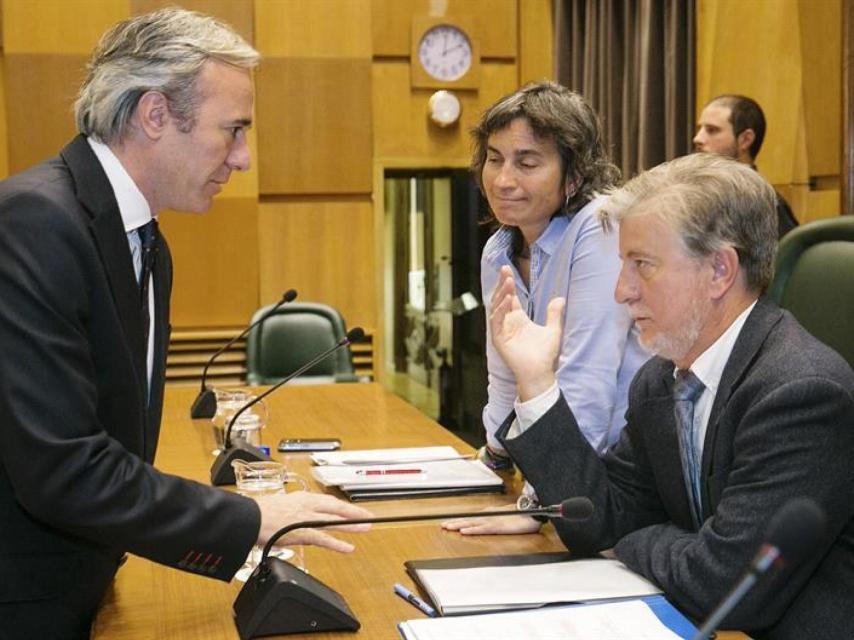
(529, 501)
(494, 460)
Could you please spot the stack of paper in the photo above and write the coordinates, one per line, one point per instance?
(631, 620)
(470, 585)
(374, 474)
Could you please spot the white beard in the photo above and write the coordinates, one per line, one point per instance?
(676, 347)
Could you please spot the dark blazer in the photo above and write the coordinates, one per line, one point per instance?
(77, 488)
(782, 425)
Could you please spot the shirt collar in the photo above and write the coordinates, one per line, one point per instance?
(549, 239)
(548, 242)
(709, 366)
(133, 206)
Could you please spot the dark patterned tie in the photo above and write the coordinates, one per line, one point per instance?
(148, 241)
(686, 389)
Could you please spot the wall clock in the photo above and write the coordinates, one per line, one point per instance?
(445, 54)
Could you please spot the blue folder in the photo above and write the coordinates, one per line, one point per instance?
(670, 616)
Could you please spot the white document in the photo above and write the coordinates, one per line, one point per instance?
(386, 456)
(415, 475)
(632, 620)
(470, 590)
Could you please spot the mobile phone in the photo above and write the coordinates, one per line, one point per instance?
(309, 444)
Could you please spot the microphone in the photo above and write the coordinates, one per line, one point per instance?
(204, 406)
(793, 533)
(222, 472)
(279, 598)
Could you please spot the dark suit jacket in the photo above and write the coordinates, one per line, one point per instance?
(77, 488)
(786, 220)
(782, 425)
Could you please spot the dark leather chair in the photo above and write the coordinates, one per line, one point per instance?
(814, 280)
(290, 338)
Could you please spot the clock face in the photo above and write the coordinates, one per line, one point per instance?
(445, 52)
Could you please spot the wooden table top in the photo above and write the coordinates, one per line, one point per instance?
(152, 601)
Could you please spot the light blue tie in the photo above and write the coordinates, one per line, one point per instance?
(686, 389)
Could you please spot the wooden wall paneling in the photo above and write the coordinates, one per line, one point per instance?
(847, 139)
(495, 20)
(765, 64)
(499, 30)
(216, 263)
(390, 26)
(811, 204)
(4, 134)
(404, 129)
(46, 45)
(58, 26)
(314, 28)
(536, 41)
(40, 93)
(821, 47)
(323, 248)
(314, 125)
(237, 13)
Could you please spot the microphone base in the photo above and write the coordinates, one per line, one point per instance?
(204, 406)
(278, 598)
(222, 473)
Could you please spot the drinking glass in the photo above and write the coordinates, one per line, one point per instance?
(229, 402)
(256, 479)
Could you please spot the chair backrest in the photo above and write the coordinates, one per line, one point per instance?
(290, 338)
(814, 280)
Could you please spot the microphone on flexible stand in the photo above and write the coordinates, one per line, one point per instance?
(204, 406)
(237, 448)
(794, 532)
(280, 598)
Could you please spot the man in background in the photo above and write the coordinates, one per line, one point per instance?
(734, 126)
(85, 281)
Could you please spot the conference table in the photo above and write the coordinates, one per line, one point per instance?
(152, 601)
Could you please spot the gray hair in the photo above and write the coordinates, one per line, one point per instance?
(554, 113)
(162, 51)
(711, 202)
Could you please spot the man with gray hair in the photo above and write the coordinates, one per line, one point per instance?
(740, 410)
(85, 280)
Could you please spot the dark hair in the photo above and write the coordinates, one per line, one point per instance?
(554, 113)
(745, 113)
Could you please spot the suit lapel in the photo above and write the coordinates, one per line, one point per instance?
(753, 334)
(95, 194)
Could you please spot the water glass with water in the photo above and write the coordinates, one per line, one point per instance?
(256, 479)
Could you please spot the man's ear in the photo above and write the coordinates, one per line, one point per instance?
(725, 270)
(744, 140)
(152, 114)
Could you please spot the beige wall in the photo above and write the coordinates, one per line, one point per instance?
(786, 54)
(334, 107)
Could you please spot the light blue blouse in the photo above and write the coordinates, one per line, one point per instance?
(574, 258)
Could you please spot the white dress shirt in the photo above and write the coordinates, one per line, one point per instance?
(135, 213)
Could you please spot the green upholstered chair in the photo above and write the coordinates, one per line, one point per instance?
(814, 280)
(290, 338)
